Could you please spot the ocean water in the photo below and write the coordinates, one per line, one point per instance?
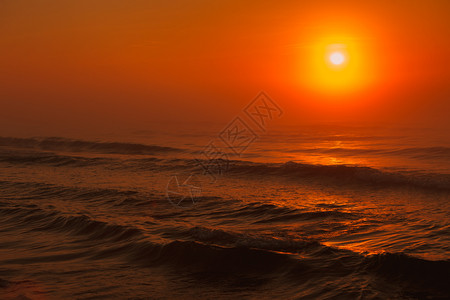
(313, 212)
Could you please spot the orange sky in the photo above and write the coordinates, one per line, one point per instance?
(107, 63)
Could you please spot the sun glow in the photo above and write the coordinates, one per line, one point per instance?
(337, 65)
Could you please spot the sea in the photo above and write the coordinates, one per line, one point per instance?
(231, 211)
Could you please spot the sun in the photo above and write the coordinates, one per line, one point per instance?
(337, 65)
(337, 58)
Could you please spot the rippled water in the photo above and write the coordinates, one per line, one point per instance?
(330, 212)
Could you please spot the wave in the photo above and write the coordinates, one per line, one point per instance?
(71, 145)
(269, 213)
(421, 278)
(37, 190)
(343, 174)
(216, 254)
(197, 256)
(233, 239)
(199, 245)
(414, 152)
(409, 276)
(36, 219)
(340, 174)
(51, 159)
(15, 157)
(383, 264)
(4, 283)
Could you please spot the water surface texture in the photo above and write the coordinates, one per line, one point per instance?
(325, 212)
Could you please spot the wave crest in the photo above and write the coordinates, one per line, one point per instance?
(344, 174)
(71, 145)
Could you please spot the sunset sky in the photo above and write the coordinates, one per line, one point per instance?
(108, 63)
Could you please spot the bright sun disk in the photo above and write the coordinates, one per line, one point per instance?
(337, 58)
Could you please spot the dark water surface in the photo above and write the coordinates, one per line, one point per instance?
(325, 214)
